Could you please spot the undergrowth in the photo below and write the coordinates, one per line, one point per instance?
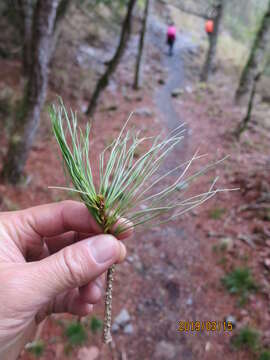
(240, 282)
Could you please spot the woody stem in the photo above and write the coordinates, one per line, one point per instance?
(107, 337)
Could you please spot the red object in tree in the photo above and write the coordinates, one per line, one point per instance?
(209, 26)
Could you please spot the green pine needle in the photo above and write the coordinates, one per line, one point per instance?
(127, 183)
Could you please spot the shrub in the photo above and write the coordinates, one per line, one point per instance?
(265, 355)
(240, 282)
(247, 338)
(95, 324)
(76, 333)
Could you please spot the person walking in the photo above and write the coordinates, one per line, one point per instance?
(171, 36)
(209, 27)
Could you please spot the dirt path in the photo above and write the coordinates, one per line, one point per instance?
(175, 80)
(168, 286)
(175, 66)
(173, 265)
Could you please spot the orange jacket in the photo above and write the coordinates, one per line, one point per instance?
(209, 26)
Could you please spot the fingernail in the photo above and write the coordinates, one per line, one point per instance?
(104, 248)
(125, 226)
(123, 252)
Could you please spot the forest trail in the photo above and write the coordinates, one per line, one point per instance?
(176, 74)
(176, 80)
(169, 288)
(174, 280)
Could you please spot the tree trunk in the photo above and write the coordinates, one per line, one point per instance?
(255, 60)
(244, 123)
(26, 7)
(213, 39)
(112, 65)
(62, 10)
(136, 83)
(35, 92)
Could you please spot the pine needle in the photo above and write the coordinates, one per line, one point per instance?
(128, 187)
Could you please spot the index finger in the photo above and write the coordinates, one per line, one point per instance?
(57, 218)
(54, 223)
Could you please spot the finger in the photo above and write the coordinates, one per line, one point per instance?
(58, 242)
(53, 219)
(71, 302)
(31, 225)
(92, 292)
(77, 307)
(74, 266)
(68, 302)
(38, 255)
(124, 226)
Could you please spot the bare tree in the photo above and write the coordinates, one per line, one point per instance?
(141, 46)
(244, 123)
(26, 9)
(215, 13)
(255, 61)
(213, 39)
(62, 10)
(113, 63)
(35, 91)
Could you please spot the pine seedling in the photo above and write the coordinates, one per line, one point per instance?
(247, 338)
(76, 333)
(95, 324)
(241, 282)
(129, 186)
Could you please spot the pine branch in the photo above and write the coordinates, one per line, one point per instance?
(126, 186)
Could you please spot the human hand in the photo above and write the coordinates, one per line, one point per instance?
(45, 269)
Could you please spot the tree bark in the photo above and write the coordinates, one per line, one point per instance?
(26, 7)
(35, 92)
(255, 61)
(113, 63)
(136, 83)
(213, 39)
(62, 10)
(244, 123)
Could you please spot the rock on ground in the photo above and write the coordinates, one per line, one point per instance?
(164, 351)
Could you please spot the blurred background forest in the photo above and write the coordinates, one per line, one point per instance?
(106, 59)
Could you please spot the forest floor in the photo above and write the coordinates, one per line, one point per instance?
(173, 272)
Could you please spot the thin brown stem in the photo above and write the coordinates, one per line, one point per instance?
(107, 337)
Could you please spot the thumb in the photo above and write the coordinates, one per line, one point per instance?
(76, 265)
